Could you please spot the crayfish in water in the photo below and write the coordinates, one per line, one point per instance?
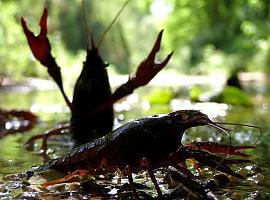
(148, 143)
(92, 99)
(15, 121)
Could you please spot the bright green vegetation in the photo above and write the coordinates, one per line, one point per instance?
(206, 35)
(234, 96)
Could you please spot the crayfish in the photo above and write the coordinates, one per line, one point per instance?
(14, 121)
(92, 99)
(148, 143)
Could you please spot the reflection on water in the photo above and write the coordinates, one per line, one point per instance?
(50, 106)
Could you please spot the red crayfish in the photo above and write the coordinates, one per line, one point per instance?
(148, 143)
(92, 99)
(14, 121)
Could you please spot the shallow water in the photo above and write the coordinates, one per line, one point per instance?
(14, 158)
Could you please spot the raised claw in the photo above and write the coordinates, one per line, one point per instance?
(41, 49)
(149, 68)
(145, 73)
(39, 44)
(221, 148)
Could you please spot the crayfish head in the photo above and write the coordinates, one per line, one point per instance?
(192, 118)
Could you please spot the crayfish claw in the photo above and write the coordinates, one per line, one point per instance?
(148, 68)
(146, 71)
(40, 45)
(237, 161)
(41, 49)
(161, 65)
(151, 57)
(221, 148)
(208, 159)
(156, 47)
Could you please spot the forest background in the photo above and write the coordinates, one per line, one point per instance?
(207, 36)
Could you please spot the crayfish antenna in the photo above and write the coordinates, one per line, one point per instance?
(246, 125)
(89, 35)
(113, 21)
(93, 46)
(87, 31)
(224, 130)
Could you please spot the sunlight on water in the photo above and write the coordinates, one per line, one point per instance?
(15, 158)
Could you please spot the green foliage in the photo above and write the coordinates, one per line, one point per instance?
(234, 96)
(235, 28)
(158, 108)
(13, 61)
(195, 93)
(206, 35)
(160, 96)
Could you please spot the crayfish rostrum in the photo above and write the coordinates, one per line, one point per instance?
(148, 143)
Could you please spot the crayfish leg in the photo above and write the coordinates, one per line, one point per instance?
(128, 172)
(145, 164)
(182, 167)
(77, 173)
(55, 131)
(191, 185)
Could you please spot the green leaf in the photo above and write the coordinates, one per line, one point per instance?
(160, 96)
(234, 96)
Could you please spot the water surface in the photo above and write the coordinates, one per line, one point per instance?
(50, 107)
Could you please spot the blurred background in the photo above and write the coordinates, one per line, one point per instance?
(207, 36)
(220, 65)
(221, 50)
